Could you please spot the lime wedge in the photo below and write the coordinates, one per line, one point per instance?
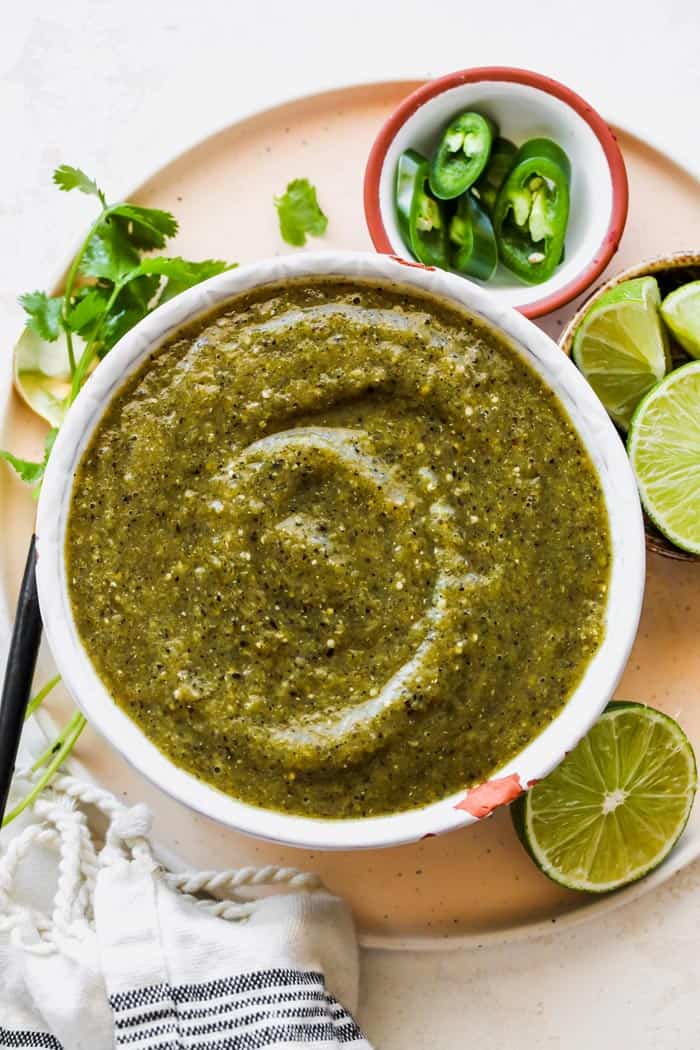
(621, 346)
(664, 448)
(681, 312)
(616, 806)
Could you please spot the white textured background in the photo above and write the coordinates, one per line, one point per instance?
(119, 87)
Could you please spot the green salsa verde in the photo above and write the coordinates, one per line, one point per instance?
(338, 550)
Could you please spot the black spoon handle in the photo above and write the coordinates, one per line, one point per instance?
(19, 672)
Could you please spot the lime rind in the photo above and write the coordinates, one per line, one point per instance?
(43, 374)
(664, 450)
(614, 809)
(621, 346)
(680, 311)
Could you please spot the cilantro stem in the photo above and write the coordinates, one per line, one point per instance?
(39, 697)
(88, 354)
(69, 346)
(60, 749)
(56, 745)
(70, 282)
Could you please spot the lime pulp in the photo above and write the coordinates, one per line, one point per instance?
(664, 449)
(621, 346)
(617, 804)
(681, 312)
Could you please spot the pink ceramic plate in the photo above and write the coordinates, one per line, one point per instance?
(474, 885)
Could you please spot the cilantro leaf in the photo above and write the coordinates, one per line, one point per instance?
(117, 324)
(27, 470)
(44, 313)
(182, 273)
(140, 291)
(146, 227)
(90, 305)
(108, 254)
(300, 213)
(69, 178)
(133, 302)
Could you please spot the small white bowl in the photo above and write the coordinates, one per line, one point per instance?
(524, 105)
(464, 807)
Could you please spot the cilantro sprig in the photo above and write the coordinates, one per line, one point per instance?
(113, 282)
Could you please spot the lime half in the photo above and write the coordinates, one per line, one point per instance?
(664, 449)
(621, 346)
(616, 806)
(681, 312)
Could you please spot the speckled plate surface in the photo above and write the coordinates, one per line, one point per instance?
(474, 885)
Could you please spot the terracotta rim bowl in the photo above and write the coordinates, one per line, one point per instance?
(525, 105)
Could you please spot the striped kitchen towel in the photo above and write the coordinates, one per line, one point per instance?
(131, 956)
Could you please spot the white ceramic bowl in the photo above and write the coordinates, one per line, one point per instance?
(591, 422)
(524, 105)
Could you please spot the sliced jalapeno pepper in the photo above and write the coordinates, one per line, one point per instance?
(532, 211)
(407, 171)
(494, 174)
(461, 155)
(473, 242)
(420, 216)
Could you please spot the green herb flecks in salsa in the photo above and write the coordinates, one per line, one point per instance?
(337, 550)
